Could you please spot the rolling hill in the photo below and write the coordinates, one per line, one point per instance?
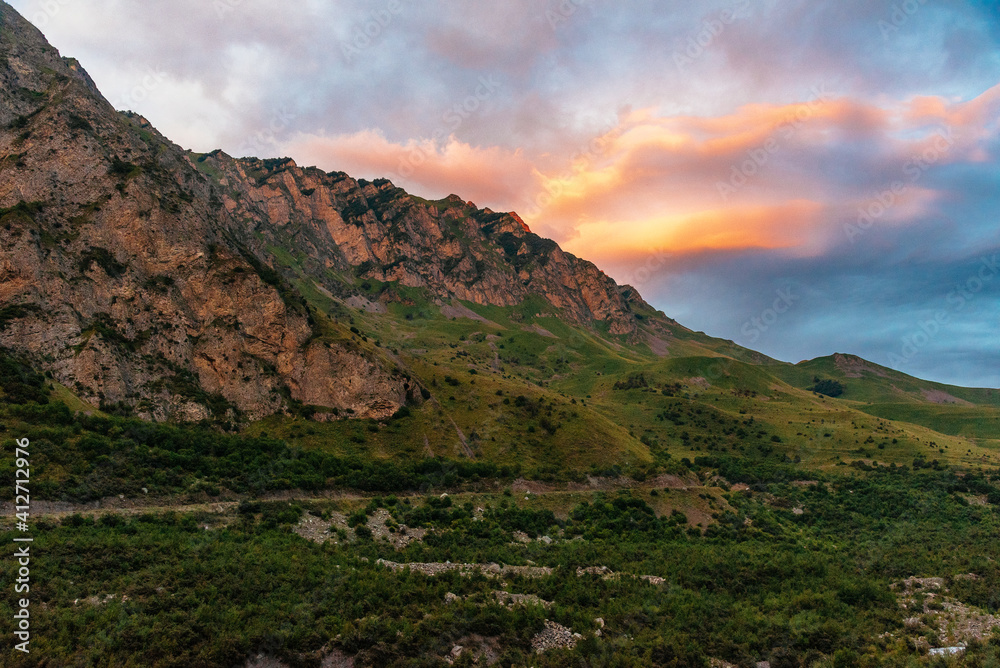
(151, 281)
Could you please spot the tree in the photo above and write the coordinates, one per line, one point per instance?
(830, 388)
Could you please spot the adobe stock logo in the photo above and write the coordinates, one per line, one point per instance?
(452, 120)
(914, 170)
(564, 11)
(580, 161)
(647, 270)
(741, 173)
(266, 139)
(711, 30)
(134, 96)
(956, 301)
(900, 16)
(753, 328)
(367, 32)
(47, 12)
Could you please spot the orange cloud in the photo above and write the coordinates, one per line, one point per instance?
(762, 177)
(791, 225)
(976, 114)
(484, 175)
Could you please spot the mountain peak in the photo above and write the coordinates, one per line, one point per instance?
(520, 221)
(170, 282)
(29, 66)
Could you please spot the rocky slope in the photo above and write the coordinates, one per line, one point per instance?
(123, 275)
(374, 230)
(147, 278)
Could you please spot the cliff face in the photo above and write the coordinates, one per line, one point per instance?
(138, 274)
(450, 247)
(122, 273)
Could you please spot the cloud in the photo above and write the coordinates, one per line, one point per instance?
(510, 36)
(437, 169)
(844, 155)
(744, 141)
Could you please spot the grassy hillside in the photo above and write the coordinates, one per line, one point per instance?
(671, 503)
(517, 386)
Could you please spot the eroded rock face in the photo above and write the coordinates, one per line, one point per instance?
(454, 249)
(143, 276)
(125, 276)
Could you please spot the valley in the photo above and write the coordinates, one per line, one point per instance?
(282, 417)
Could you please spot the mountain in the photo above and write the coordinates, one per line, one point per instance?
(149, 280)
(143, 278)
(425, 436)
(451, 248)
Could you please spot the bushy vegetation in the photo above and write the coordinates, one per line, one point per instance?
(760, 583)
(830, 388)
(792, 564)
(78, 457)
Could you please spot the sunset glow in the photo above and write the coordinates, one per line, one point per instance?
(832, 147)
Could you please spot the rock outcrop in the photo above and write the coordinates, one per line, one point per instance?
(125, 276)
(376, 231)
(153, 280)
(554, 636)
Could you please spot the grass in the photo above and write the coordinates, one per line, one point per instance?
(475, 369)
(800, 573)
(974, 422)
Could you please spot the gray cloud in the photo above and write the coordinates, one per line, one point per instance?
(259, 76)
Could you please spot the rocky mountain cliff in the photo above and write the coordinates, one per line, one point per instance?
(374, 230)
(123, 275)
(140, 275)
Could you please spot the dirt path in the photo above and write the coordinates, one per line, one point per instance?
(136, 506)
(461, 437)
(159, 505)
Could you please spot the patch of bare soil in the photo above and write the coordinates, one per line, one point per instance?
(667, 481)
(698, 382)
(855, 367)
(509, 600)
(941, 397)
(541, 331)
(380, 523)
(359, 302)
(719, 663)
(554, 636)
(520, 486)
(506, 599)
(489, 570)
(384, 528)
(337, 659)
(313, 528)
(457, 310)
(606, 573)
(659, 346)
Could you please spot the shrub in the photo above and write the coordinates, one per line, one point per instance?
(830, 388)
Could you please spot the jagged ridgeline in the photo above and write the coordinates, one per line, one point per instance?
(189, 287)
(290, 302)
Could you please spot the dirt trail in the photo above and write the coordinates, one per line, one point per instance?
(465, 444)
(124, 506)
(136, 506)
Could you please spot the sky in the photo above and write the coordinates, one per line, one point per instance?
(803, 177)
